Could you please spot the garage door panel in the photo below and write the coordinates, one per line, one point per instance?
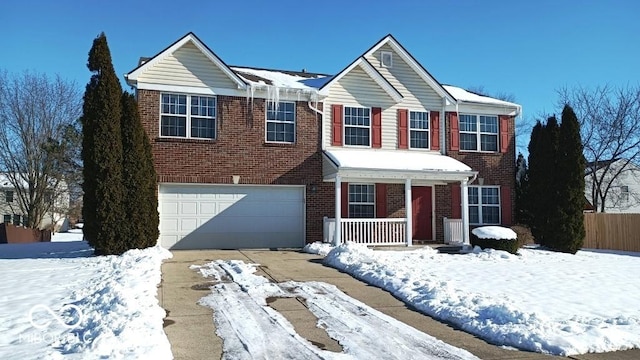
(228, 217)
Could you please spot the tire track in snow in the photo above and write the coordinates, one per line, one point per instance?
(250, 329)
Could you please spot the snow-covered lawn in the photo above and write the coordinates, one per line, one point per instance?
(57, 301)
(540, 301)
(252, 330)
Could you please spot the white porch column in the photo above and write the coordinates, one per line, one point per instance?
(464, 195)
(337, 235)
(408, 211)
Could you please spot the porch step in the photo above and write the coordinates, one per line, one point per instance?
(450, 249)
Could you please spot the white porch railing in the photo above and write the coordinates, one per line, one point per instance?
(388, 231)
(453, 231)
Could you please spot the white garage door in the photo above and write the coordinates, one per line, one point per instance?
(231, 216)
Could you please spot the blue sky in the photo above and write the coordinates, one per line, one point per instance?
(526, 48)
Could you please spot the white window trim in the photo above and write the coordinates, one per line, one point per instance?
(479, 134)
(382, 55)
(266, 121)
(480, 204)
(188, 115)
(361, 203)
(428, 131)
(344, 126)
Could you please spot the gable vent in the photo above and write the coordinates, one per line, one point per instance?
(386, 59)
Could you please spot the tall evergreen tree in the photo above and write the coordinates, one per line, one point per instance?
(569, 230)
(542, 192)
(523, 214)
(102, 153)
(139, 177)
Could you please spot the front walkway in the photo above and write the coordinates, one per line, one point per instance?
(191, 332)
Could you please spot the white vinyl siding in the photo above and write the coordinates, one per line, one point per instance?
(187, 66)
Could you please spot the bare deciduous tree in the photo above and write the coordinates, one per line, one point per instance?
(610, 126)
(38, 116)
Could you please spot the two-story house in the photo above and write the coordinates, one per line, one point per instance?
(620, 178)
(380, 153)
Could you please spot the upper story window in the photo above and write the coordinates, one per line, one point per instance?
(188, 116)
(362, 200)
(478, 133)
(484, 205)
(624, 193)
(8, 196)
(357, 126)
(419, 130)
(281, 122)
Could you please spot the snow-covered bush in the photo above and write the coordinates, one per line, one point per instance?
(495, 237)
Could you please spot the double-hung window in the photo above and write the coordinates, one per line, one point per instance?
(16, 220)
(281, 122)
(624, 193)
(478, 133)
(8, 196)
(419, 130)
(188, 116)
(362, 201)
(484, 205)
(6, 219)
(357, 126)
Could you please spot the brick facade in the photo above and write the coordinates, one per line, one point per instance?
(240, 149)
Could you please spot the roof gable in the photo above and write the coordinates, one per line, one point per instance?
(192, 39)
(371, 72)
(413, 64)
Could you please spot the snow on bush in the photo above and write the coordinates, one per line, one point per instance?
(317, 247)
(494, 232)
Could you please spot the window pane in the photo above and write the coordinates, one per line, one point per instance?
(473, 195)
(473, 215)
(489, 124)
(490, 196)
(490, 215)
(468, 123)
(173, 126)
(174, 104)
(419, 139)
(203, 128)
(468, 142)
(489, 142)
(356, 136)
(419, 120)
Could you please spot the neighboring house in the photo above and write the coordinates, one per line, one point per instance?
(12, 213)
(250, 157)
(623, 179)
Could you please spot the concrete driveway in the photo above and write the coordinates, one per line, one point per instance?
(191, 331)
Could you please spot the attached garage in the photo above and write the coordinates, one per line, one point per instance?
(231, 216)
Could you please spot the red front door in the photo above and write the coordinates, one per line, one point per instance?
(421, 205)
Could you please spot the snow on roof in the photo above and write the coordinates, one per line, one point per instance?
(494, 232)
(464, 95)
(403, 160)
(281, 79)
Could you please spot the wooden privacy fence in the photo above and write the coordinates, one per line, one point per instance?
(612, 231)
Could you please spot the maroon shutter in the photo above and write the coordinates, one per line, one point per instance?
(504, 133)
(505, 204)
(455, 131)
(376, 128)
(435, 130)
(336, 138)
(456, 202)
(403, 115)
(345, 200)
(381, 200)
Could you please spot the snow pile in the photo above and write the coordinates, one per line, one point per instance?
(317, 247)
(494, 232)
(56, 305)
(539, 301)
(252, 330)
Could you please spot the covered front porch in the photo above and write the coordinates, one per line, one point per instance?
(385, 197)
